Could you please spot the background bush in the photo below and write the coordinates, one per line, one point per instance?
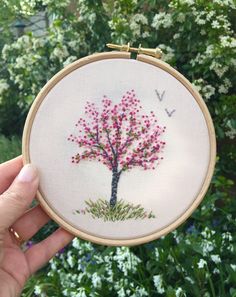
(198, 39)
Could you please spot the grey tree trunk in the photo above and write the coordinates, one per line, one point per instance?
(114, 186)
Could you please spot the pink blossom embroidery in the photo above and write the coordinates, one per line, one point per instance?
(120, 136)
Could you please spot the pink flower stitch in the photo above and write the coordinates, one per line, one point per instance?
(119, 136)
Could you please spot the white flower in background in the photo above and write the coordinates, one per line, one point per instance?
(53, 264)
(227, 82)
(197, 60)
(139, 292)
(62, 3)
(80, 276)
(230, 247)
(197, 84)
(162, 19)
(218, 68)
(207, 247)
(215, 24)
(233, 266)
(136, 22)
(25, 39)
(70, 259)
(96, 280)
(227, 41)
(170, 258)
(227, 236)
(189, 279)
(123, 283)
(121, 293)
(38, 291)
(223, 21)
(65, 292)
(92, 18)
(223, 3)
(60, 37)
(110, 273)
(168, 52)
(180, 17)
(216, 259)
(231, 134)
(126, 261)
(157, 254)
(201, 263)
(176, 35)
(20, 62)
(200, 18)
(114, 23)
(136, 28)
(221, 70)
(60, 53)
(187, 2)
(208, 91)
(3, 85)
(158, 283)
(209, 52)
(187, 241)
(6, 48)
(69, 60)
(180, 292)
(224, 88)
(207, 233)
(145, 34)
(80, 293)
(200, 21)
(210, 14)
(73, 44)
(38, 42)
(216, 271)
(76, 243)
(140, 18)
(34, 88)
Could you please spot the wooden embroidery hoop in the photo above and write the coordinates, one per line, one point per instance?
(149, 60)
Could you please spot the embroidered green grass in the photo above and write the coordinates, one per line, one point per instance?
(120, 212)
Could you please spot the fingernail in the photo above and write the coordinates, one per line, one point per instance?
(27, 174)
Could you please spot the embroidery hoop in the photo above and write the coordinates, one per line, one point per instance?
(149, 60)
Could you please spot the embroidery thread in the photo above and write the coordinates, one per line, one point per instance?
(160, 96)
(121, 137)
(170, 113)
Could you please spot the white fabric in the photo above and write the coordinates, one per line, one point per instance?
(168, 190)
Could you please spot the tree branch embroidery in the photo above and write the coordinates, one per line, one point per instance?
(120, 136)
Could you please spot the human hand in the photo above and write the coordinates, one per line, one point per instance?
(17, 191)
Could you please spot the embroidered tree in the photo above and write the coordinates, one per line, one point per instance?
(119, 136)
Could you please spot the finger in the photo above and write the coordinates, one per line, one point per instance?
(31, 222)
(8, 171)
(15, 201)
(39, 254)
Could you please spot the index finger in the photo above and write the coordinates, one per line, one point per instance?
(39, 254)
(8, 172)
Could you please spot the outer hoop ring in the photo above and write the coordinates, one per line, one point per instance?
(160, 64)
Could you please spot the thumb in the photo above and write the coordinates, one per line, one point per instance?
(18, 197)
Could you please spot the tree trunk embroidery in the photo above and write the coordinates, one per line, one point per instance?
(114, 187)
(119, 136)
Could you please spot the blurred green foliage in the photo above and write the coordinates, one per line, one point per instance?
(9, 147)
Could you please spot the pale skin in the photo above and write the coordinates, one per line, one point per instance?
(17, 190)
